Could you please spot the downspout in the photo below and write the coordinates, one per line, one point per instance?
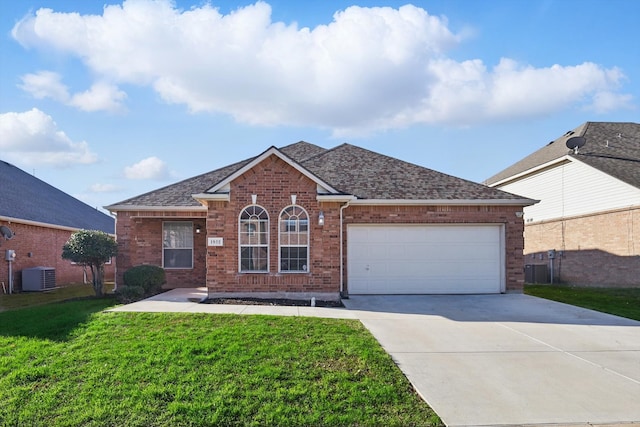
(341, 249)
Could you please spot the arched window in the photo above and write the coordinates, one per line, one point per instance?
(253, 235)
(294, 240)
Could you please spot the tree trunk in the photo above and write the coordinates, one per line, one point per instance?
(97, 273)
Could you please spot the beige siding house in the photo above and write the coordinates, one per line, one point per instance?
(586, 228)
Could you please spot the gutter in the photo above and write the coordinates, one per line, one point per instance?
(445, 202)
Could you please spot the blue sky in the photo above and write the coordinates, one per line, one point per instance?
(106, 100)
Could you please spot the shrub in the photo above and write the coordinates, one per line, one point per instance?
(129, 294)
(149, 277)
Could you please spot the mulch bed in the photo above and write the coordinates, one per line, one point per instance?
(282, 302)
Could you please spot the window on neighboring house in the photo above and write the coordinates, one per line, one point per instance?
(294, 240)
(253, 234)
(177, 244)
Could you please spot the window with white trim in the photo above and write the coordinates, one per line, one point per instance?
(253, 235)
(177, 244)
(294, 240)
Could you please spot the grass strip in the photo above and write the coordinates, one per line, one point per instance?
(30, 299)
(624, 302)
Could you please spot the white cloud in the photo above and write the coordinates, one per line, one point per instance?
(104, 188)
(45, 84)
(149, 168)
(100, 97)
(33, 138)
(369, 69)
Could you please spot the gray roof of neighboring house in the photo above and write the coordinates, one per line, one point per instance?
(613, 148)
(25, 197)
(348, 169)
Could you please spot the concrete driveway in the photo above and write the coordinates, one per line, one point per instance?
(510, 359)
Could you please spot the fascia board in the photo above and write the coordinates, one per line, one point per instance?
(41, 224)
(441, 202)
(341, 198)
(122, 208)
(217, 197)
(530, 171)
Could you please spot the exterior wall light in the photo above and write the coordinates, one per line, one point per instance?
(198, 228)
(321, 219)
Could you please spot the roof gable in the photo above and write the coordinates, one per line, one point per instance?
(222, 186)
(31, 199)
(613, 148)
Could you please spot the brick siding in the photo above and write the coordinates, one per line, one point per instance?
(593, 250)
(274, 181)
(38, 246)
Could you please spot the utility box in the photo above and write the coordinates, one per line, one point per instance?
(38, 278)
(536, 273)
(10, 255)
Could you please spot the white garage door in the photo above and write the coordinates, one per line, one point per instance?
(425, 259)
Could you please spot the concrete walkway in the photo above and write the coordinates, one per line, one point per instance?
(187, 300)
(486, 359)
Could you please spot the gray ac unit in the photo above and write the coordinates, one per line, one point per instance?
(38, 278)
(536, 273)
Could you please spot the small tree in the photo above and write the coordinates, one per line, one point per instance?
(93, 249)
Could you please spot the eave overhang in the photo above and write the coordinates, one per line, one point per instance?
(144, 208)
(441, 202)
(533, 170)
(41, 224)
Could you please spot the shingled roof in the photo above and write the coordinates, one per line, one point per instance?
(613, 148)
(348, 169)
(25, 197)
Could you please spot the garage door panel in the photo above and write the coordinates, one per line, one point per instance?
(412, 259)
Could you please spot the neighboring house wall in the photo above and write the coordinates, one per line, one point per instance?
(572, 188)
(595, 250)
(39, 246)
(589, 217)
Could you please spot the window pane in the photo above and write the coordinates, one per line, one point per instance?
(178, 258)
(253, 259)
(177, 242)
(293, 259)
(254, 239)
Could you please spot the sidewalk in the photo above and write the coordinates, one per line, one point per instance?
(187, 300)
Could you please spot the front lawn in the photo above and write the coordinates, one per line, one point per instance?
(29, 299)
(623, 302)
(70, 364)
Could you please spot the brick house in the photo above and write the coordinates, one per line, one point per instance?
(303, 221)
(41, 219)
(588, 218)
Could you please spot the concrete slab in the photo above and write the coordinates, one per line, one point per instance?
(187, 300)
(510, 359)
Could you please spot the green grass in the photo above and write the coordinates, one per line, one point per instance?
(69, 364)
(29, 299)
(623, 302)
